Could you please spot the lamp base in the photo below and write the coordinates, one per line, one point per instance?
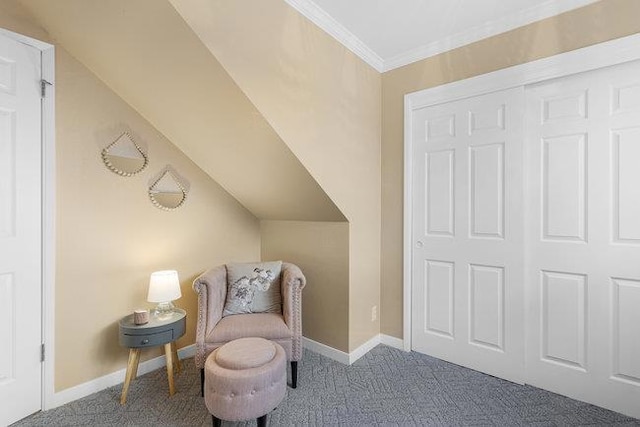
(164, 310)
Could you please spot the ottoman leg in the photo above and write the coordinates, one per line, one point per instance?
(262, 421)
(294, 374)
(216, 422)
(202, 382)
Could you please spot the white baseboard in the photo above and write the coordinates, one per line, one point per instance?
(114, 378)
(325, 350)
(349, 358)
(364, 349)
(392, 341)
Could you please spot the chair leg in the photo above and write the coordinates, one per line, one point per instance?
(294, 374)
(262, 421)
(202, 382)
(216, 422)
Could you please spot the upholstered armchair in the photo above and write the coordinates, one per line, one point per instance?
(284, 328)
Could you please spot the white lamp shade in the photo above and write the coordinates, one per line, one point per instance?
(164, 286)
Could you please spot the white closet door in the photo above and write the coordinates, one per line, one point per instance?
(20, 213)
(467, 298)
(583, 251)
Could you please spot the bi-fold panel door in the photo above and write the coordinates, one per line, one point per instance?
(577, 299)
(20, 235)
(467, 299)
(583, 250)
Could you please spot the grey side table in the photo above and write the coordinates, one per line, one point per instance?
(158, 331)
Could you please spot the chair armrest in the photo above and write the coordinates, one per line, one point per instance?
(211, 287)
(292, 283)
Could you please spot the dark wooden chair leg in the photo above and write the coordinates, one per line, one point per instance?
(216, 422)
(202, 382)
(294, 374)
(262, 421)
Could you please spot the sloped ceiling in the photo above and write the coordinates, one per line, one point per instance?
(149, 56)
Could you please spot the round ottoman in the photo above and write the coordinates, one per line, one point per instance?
(244, 379)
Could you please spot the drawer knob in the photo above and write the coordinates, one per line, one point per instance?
(145, 341)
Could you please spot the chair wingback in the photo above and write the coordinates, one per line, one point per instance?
(292, 283)
(211, 287)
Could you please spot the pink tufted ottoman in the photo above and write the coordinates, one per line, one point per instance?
(244, 379)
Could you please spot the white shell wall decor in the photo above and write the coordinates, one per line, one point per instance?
(124, 156)
(167, 192)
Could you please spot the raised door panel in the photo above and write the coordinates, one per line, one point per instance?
(564, 188)
(626, 330)
(564, 311)
(440, 198)
(487, 191)
(625, 98)
(440, 128)
(486, 306)
(439, 296)
(7, 75)
(7, 173)
(7, 328)
(490, 118)
(626, 185)
(569, 106)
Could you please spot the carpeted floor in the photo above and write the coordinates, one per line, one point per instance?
(385, 387)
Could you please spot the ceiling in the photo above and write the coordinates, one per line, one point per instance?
(390, 33)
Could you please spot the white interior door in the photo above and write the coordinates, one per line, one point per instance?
(20, 230)
(467, 274)
(583, 261)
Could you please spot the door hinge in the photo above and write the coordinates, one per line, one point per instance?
(42, 352)
(43, 87)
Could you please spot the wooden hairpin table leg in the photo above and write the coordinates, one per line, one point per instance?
(169, 355)
(132, 370)
(176, 359)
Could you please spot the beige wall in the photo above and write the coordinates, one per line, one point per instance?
(145, 52)
(109, 235)
(596, 23)
(324, 102)
(321, 250)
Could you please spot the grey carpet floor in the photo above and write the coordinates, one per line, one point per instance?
(385, 387)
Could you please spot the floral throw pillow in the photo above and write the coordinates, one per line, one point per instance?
(253, 288)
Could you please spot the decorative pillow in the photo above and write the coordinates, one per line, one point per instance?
(253, 288)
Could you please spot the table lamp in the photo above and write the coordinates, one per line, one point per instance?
(164, 288)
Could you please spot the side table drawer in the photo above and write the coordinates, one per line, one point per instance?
(150, 340)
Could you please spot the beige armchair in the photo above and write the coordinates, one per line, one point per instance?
(284, 328)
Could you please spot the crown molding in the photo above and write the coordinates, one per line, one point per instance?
(545, 10)
(326, 22)
(322, 19)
